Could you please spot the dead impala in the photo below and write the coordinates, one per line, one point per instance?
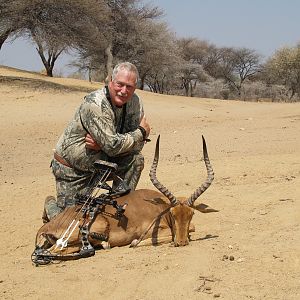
(150, 217)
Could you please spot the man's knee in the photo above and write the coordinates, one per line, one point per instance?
(69, 183)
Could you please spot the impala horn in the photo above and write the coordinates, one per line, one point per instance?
(154, 180)
(210, 177)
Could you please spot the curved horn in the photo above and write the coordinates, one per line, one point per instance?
(154, 180)
(210, 177)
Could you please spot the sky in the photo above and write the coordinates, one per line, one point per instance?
(262, 25)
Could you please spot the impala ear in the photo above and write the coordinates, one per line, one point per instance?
(204, 208)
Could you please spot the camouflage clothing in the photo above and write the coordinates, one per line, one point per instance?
(103, 121)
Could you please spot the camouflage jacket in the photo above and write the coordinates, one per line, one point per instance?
(103, 121)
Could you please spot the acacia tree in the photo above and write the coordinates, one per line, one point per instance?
(235, 65)
(284, 68)
(56, 31)
(25, 17)
(116, 39)
(195, 57)
(12, 19)
(155, 64)
(125, 19)
(53, 25)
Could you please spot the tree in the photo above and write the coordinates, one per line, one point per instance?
(284, 68)
(126, 17)
(117, 39)
(194, 59)
(236, 65)
(156, 65)
(55, 31)
(53, 25)
(12, 22)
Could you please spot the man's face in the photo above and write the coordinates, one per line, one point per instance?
(122, 87)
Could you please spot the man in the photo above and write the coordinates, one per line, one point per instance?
(109, 125)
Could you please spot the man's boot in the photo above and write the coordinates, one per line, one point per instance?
(50, 209)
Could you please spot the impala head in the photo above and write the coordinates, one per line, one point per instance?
(182, 209)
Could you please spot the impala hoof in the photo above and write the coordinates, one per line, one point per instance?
(134, 243)
(105, 245)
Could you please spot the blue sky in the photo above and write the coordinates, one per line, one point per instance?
(263, 25)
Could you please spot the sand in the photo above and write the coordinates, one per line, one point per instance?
(255, 152)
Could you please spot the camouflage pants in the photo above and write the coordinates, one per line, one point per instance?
(69, 181)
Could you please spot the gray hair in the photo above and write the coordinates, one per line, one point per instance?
(125, 66)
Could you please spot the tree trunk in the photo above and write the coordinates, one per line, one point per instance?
(142, 82)
(109, 63)
(2, 40)
(185, 85)
(90, 74)
(4, 37)
(50, 61)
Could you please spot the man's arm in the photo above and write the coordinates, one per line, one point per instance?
(91, 143)
(99, 122)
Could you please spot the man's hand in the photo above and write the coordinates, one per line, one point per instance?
(145, 125)
(91, 144)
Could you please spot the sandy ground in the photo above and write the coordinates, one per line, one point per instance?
(255, 151)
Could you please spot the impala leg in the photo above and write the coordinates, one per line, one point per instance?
(42, 241)
(152, 241)
(64, 251)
